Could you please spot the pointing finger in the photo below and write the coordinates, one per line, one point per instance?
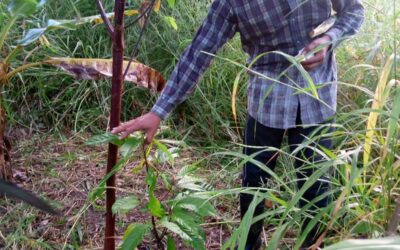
(122, 127)
(149, 136)
(129, 130)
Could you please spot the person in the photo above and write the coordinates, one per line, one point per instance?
(275, 106)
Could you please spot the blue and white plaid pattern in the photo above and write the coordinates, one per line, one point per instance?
(267, 26)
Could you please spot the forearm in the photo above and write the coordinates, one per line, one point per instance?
(350, 16)
(175, 92)
(218, 27)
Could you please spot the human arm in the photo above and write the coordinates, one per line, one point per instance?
(218, 27)
(350, 16)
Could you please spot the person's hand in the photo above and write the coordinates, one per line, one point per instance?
(148, 123)
(318, 58)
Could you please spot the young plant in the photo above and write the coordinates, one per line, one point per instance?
(119, 72)
(181, 215)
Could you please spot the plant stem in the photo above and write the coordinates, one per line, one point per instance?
(117, 86)
(106, 20)
(153, 219)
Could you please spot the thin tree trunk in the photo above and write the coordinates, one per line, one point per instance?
(117, 84)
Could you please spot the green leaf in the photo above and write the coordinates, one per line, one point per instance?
(171, 22)
(105, 138)
(171, 3)
(392, 130)
(191, 183)
(197, 205)
(277, 236)
(155, 207)
(134, 235)
(188, 221)
(16, 8)
(392, 243)
(247, 221)
(171, 243)
(164, 150)
(130, 145)
(22, 7)
(166, 181)
(124, 205)
(26, 196)
(173, 227)
(311, 85)
(151, 180)
(34, 34)
(187, 170)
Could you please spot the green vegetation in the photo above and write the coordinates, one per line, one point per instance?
(197, 154)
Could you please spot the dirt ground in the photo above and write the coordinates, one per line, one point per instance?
(64, 170)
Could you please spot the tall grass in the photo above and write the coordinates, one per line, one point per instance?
(365, 160)
(364, 190)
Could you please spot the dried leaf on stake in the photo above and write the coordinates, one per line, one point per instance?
(95, 69)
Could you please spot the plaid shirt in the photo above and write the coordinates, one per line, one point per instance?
(276, 87)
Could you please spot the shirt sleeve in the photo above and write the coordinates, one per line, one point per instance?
(350, 16)
(218, 27)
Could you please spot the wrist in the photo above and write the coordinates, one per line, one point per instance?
(155, 116)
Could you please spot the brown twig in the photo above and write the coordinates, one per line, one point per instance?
(137, 19)
(155, 232)
(153, 219)
(106, 21)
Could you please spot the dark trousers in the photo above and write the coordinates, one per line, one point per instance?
(261, 136)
